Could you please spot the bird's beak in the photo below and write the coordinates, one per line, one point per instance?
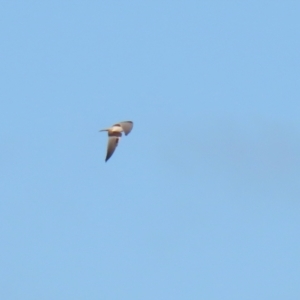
(103, 130)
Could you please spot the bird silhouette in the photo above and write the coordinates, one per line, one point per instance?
(114, 135)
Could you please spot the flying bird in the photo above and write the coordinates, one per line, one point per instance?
(114, 135)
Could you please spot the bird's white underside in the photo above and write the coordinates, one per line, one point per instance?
(116, 129)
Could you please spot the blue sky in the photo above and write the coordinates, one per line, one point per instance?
(201, 200)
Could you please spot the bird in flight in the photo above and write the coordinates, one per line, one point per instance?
(114, 135)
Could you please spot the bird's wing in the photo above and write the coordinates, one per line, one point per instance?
(111, 146)
(126, 126)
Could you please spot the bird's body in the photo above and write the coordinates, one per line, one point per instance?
(115, 129)
(114, 136)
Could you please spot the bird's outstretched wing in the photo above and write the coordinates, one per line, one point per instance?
(126, 125)
(113, 141)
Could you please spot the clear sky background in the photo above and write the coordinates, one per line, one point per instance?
(201, 200)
